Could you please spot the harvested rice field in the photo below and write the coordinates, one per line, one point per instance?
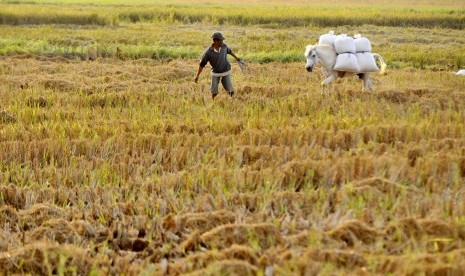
(113, 161)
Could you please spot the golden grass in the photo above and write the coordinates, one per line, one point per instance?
(131, 167)
(113, 161)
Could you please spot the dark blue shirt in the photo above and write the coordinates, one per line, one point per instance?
(218, 61)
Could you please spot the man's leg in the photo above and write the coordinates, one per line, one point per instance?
(214, 87)
(227, 84)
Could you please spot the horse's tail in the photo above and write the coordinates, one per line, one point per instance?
(381, 61)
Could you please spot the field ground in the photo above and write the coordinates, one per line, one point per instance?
(116, 162)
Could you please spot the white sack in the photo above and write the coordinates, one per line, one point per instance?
(327, 39)
(362, 44)
(366, 62)
(460, 72)
(346, 62)
(344, 44)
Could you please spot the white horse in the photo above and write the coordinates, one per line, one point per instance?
(326, 56)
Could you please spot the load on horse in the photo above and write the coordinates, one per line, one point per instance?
(342, 56)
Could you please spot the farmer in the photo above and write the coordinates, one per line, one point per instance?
(221, 69)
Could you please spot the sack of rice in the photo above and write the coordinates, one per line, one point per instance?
(327, 39)
(366, 62)
(346, 62)
(344, 44)
(362, 44)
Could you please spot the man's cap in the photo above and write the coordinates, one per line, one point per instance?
(218, 35)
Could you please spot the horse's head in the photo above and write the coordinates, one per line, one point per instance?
(312, 57)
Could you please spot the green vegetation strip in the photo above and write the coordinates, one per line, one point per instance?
(277, 16)
(407, 36)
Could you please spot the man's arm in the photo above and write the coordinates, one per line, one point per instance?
(198, 74)
(234, 55)
(202, 64)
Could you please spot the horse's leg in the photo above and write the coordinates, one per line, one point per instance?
(369, 85)
(327, 89)
(327, 83)
(324, 88)
(366, 83)
(326, 74)
(362, 80)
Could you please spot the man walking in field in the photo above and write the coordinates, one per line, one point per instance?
(216, 54)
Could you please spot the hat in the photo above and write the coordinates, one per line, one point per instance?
(218, 35)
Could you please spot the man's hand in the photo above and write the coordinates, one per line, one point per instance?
(242, 64)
